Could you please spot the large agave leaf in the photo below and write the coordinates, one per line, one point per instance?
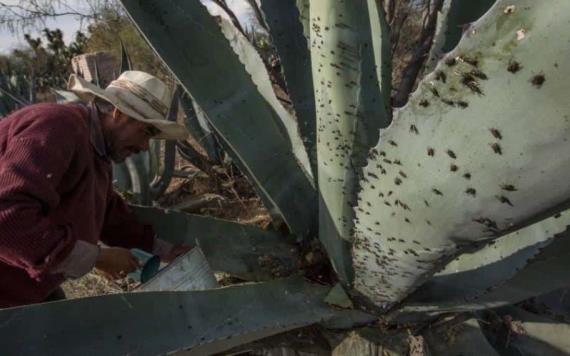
(15, 100)
(283, 19)
(466, 160)
(133, 174)
(514, 331)
(64, 96)
(466, 339)
(304, 8)
(382, 50)
(254, 65)
(153, 158)
(473, 274)
(277, 217)
(4, 106)
(163, 172)
(197, 125)
(152, 323)
(350, 109)
(244, 251)
(453, 20)
(218, 81)
(126, 63)
(556, 304)
(121, 178)
(138, 167)
(546, 272)
(552, 262)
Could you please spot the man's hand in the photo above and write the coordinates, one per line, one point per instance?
(116, 262)
(177, 250)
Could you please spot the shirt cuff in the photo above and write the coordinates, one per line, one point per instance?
(161, 248)
(80, 261)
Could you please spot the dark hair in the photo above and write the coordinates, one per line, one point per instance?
(103, 106)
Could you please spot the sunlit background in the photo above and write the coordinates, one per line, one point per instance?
(14, 38)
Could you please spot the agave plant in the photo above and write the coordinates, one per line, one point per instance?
(16, 90)
(434, 216)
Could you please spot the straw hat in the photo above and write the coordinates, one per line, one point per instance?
(137, 94)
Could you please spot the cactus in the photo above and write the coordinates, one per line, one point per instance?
(452, 205)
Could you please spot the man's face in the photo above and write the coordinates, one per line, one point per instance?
(126, 136)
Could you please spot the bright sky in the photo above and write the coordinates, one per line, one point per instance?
(70, 25)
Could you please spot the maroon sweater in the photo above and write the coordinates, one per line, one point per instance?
(55, 189)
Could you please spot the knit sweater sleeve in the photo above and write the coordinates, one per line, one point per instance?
(37, 156)
(122, 228)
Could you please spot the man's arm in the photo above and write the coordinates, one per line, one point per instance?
(31, 168)
(123, 229)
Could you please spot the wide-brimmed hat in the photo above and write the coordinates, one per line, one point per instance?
(137, 94)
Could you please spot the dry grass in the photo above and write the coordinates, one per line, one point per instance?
(225, 194)
(93, 284)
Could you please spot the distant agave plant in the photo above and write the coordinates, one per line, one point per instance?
(445, 212)
(15, 91)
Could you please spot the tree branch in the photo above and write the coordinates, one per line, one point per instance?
(414, 66)
(40, 13)
(222, 4)
(33, 13)
(390, 10)
(258, 14)
(396, 31)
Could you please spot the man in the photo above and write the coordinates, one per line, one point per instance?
(56, 195)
